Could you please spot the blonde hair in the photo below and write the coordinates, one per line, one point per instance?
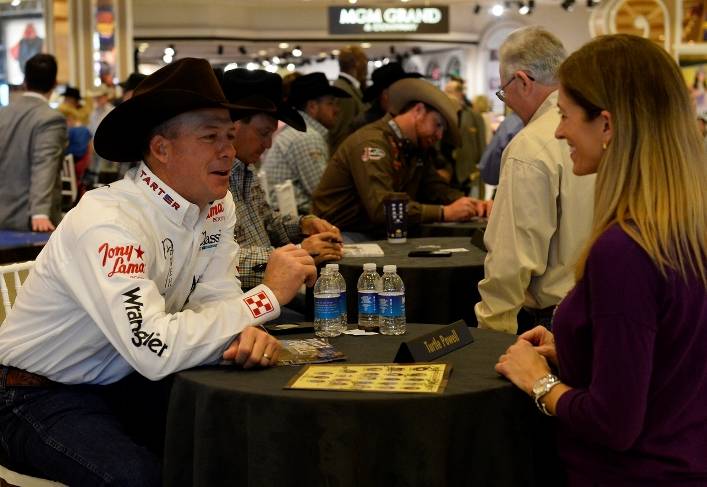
(651, 177)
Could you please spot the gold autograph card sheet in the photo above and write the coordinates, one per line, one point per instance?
(429, 378)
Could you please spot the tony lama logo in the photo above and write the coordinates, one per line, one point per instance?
(209, 241)
(168, 252)
(133, 311)
(157, 189)
(215, 211)
(118, 259)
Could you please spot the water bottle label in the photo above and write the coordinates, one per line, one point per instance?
(391, 306)
(368, 302)
(326, 308)
(342, 303)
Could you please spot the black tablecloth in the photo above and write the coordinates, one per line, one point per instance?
(241, 428)
(437, 289)
(448, 229)
(21, 246)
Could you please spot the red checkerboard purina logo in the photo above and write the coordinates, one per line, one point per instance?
(259, 304)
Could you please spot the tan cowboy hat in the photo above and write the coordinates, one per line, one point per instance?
(179, 87)
(418, 90)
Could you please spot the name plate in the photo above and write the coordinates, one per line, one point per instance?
(435, 344)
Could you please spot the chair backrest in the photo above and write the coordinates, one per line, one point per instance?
(285, 196)
(69, 186)
(11, 278)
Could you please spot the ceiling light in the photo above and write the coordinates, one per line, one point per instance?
(525, 10)
(283, 45)
(15, 3)
(143, 47)
(296, 52)
(378, 63)
(290, 67)
(251, 66)
(353, 2)
(335, 52)
(271, 69)
(497, 10)
(276, 60)
(230, 66)
(167, 59)
(266, 63)
(365, 45)
(169, 51)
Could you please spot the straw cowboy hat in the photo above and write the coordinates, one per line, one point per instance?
(241, 85)
(182, 86)
(417, 90)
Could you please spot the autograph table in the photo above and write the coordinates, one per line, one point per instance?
(437, 289)
(232, 427)
(21, 246)
(449, 229)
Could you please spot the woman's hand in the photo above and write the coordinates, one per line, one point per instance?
(544, 342)
(522, 365)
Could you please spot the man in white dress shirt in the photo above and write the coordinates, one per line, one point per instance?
(542, 212)
(139, 278)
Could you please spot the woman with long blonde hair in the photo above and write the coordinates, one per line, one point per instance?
(625, 372)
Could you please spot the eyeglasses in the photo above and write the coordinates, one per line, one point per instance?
(501, 94)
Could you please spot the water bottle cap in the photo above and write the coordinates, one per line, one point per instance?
(324, 270)
(390, 268)
(334, 267)
(369, 266)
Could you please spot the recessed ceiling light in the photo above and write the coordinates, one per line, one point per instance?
(290, 67)
(230, 66)
(497, 10)
(365, 45)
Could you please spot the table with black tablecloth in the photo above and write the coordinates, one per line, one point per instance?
(21, 246)
(233, 427)
(449, 229)
(437, 289)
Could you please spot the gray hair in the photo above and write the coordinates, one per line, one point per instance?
(534, 50)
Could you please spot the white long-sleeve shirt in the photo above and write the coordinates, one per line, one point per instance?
(134, 278)
(541, 218)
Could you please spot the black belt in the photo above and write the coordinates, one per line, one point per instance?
(14, 377)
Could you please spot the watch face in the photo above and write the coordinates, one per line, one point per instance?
(539, 386)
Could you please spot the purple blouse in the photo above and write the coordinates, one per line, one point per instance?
(633, 345)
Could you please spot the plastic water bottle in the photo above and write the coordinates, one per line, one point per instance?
(391, 302)
(369, 285)
(343, 314)
(327, 314)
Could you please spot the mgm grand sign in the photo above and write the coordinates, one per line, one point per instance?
(376, 20)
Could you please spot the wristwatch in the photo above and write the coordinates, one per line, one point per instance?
(541, 387)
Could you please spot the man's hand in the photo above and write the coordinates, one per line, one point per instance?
(289, 267)
(327, 244)
(253, 347)
(465, 208)
(42, 224)
(311, 225)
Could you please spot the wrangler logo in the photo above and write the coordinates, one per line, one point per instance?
(133, 311)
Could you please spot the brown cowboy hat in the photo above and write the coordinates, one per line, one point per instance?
(182, 86)
(242, 85)
(417, 90)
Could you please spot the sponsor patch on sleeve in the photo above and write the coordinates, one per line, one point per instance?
(372, 154)
(259, 304)
(126, 259)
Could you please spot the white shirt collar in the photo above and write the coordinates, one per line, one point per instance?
(353, 80)
(177, 209)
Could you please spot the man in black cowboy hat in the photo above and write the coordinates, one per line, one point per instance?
(258, 229)
(139, 281)
(377, 93)
(393, 155)
(302, 156)
(130, 84)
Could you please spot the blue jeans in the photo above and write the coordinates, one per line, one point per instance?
(82, 435)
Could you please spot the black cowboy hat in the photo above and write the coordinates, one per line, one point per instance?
(241, 85)
(132, 81)
(182, 86)
(311, 86)
(385, 76)
(71, 92)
